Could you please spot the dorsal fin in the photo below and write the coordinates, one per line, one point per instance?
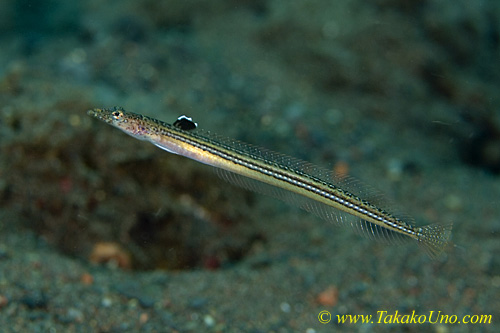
(185, 123)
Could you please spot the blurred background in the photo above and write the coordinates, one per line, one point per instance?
(102, 232)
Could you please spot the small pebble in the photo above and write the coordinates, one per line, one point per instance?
(3, 301)
(209, 320)
(329, 296)
(285, 307)
(143, 318)
(87, 279)
(341, 169)
(106, 252)
(75, 315)
(106, 302)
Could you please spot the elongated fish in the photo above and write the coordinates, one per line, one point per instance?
(338, 199)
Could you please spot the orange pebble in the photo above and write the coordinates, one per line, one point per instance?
(107, 251)
(329, 296)
(86, 279)
(341, 169)
(3, 301)
(143, 318)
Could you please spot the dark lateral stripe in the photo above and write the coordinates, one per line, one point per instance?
(346, 199)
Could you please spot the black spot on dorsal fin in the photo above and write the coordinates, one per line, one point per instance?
(185, 123)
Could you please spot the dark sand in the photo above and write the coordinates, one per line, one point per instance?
(405, 96)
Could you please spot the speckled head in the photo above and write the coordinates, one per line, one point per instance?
(112, 116)
(131, 123)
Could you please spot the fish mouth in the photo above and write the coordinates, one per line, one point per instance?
(101, 114)
(95, 112)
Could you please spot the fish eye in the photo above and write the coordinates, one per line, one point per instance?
(117, 115)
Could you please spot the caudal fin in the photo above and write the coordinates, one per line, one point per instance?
(434, 238)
